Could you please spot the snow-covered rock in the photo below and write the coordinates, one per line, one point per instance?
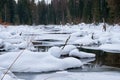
(37, 62)
(81, 54)
(67, 49)
(55, 51)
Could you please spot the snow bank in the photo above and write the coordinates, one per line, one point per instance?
(114, 47)
(37, 62)
(81, 54)
(55, 51)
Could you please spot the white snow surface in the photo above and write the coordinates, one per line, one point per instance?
(79, 76)
(37, 62)
(86, 41)
(8, 76)
(55, 51)
(110, 47)
(80, 54)
(67, 49)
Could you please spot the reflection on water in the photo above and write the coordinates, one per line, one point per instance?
(104, 58)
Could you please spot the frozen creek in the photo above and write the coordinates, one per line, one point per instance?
(43, 37)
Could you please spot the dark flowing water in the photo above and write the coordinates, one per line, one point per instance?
(105, 58)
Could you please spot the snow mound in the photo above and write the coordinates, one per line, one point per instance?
(55, 51)
(81, 54)
(67, 49)
(37, 62)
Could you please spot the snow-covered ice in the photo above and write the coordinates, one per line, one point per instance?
(80, 54)
(64, 75)
(110, 47)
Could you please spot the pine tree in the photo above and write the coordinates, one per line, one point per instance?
(42, 15)
(33, 8)
(96, 11)
(114, 7)
(24, 12)
(87, 11)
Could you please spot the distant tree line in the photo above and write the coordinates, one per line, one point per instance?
(59, 11)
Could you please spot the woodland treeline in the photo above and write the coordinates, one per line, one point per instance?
(59, 11)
